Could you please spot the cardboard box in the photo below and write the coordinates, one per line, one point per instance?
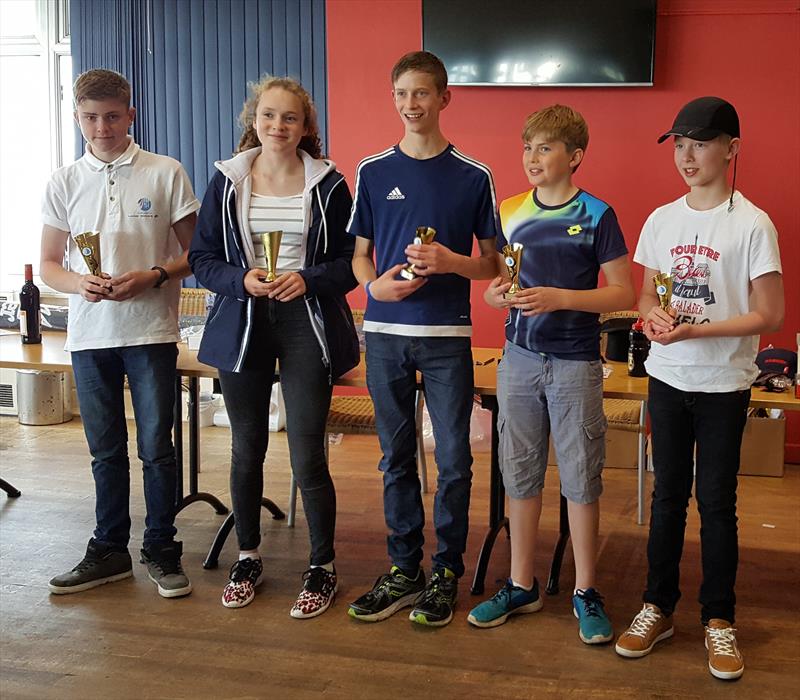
(762, 447)
(622, 447)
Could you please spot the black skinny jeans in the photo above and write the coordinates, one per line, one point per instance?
(282, 331)
(714, 423)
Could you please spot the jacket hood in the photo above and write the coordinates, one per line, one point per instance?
(238, 168)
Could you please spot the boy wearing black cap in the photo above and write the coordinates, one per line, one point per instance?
(722, 254)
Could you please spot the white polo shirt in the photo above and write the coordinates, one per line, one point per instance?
(133, 202)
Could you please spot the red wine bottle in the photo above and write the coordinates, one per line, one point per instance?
(30, 321)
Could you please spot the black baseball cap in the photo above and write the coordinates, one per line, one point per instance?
(704, 119)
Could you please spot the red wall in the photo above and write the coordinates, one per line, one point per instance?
(743, 50)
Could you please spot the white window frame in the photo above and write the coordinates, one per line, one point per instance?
(51, 42)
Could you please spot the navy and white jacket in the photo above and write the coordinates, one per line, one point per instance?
(222, 252)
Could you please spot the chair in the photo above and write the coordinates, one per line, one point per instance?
(192, 302)
(624, 414)
(629, 415)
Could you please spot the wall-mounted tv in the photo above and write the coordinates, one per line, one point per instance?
(542, 42)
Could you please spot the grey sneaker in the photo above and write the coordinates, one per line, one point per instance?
(165, 570)
(102, 564)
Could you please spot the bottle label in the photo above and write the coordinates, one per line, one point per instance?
(23, 322)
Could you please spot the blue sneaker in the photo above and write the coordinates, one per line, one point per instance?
(509, 600)
(593, 623)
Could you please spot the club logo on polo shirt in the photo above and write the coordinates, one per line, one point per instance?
(395, 194)
(143, 211)
(574, 230)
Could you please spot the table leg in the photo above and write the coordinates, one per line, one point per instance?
(12, 491)
(642, 463)
(561, 544)
(194, 493)
(212, 559)
(497, 503)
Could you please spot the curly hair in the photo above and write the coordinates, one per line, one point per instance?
(310, 143)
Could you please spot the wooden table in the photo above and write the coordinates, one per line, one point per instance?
(50, 355)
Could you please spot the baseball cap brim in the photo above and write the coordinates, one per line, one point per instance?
(691, 132)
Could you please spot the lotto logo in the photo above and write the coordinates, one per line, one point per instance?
(574, 230)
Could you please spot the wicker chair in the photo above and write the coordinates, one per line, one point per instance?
(623, 414)
(629, 415)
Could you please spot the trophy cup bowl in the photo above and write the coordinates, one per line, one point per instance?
(425, 235)
(89, 245)
(663, 283)
(271, 241)
(512, 257)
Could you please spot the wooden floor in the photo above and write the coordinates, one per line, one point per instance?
(124, 641)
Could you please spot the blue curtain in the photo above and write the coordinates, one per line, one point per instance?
(189, 62)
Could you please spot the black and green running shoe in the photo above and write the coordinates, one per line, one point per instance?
(435, 606)
(390, 593)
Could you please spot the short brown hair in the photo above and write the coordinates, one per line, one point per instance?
(424, 62)
(310, 143)
(559, 123)
(101, 84)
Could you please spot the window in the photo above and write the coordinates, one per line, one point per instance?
(36, 128)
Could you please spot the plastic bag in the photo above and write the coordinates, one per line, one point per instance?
(480, 429)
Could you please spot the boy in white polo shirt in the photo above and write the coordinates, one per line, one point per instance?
(122, 322)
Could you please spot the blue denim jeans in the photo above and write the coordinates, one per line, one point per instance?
(712, 423)
(99, 379)
(446, 367)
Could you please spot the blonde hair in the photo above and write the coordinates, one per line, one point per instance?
(310, 143)
(559, 123)
(101, 84)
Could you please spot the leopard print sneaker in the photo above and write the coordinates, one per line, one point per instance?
(319, 590)
(241, 589)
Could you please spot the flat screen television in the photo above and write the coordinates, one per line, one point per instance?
(542, 42)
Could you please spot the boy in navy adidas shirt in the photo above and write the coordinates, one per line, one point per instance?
(422, 324)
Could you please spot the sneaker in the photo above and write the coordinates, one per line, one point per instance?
(594, 627)
(100, 565)
(319, 590)
(165, 570)
(435, 606)
(509, 600)
(241, 588)
(391, 592)
(724, 659)
(648, 628)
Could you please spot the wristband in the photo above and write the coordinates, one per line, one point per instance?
(366, 289)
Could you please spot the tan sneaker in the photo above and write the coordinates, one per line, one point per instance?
(724, 659)
(647, 628)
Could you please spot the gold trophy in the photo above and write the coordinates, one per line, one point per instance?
(424, 236)
(663, 283)
(271, 241)
(512, 257)
(89, 245)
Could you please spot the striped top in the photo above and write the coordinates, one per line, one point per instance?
(278, 214)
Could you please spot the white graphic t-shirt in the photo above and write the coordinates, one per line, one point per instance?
(712, 255)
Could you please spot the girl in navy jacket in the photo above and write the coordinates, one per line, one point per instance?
(278, 181)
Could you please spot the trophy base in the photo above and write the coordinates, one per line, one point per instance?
(407, 274)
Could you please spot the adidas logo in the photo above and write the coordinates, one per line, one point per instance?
(395, 194)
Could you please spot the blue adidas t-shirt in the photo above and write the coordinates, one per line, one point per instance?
(395, 194)
(564, 247)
